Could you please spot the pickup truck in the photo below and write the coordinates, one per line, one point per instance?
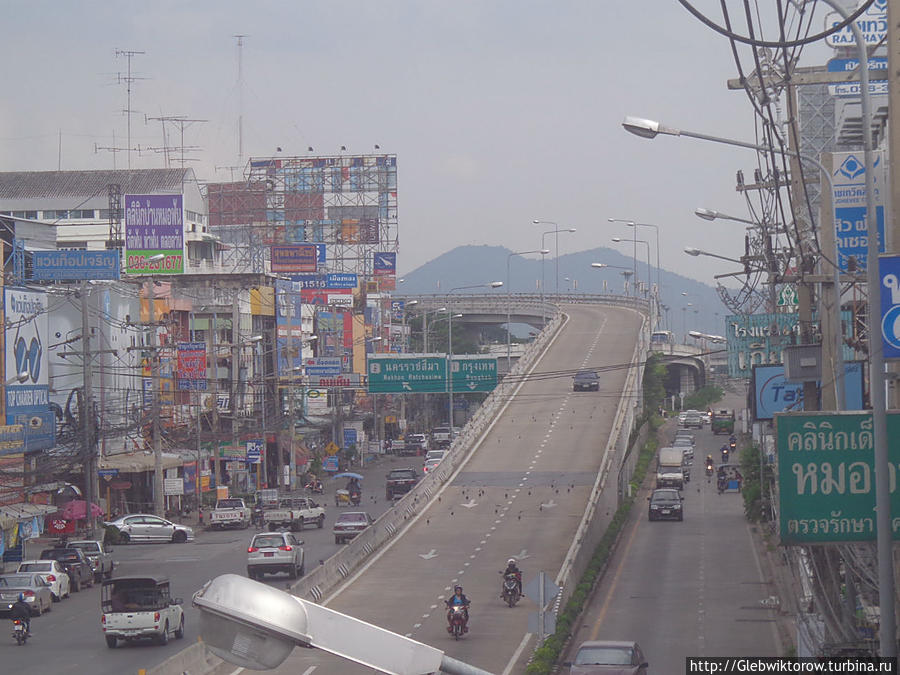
(293, 513)
(399, 482)
(74, 562)
(139, 607)
(98, 555)
(231, 512)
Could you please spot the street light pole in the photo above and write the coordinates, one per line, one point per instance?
(542, 251)
(647, 244)
(556, 231)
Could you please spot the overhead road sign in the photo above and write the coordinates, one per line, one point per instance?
(74, 265)
(474, 373)
(407, 373)
(849, 65)
(889, 280)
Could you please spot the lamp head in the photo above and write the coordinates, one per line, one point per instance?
(154, 258)
(617, 239)
(690, 250)
(411, 303)
(695, 334)
(641, 127)
(599, 265)
(544, 251)
(536, 222)
(496, 284)
(706, 214)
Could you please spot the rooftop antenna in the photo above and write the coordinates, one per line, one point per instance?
(128, 79)
(181, 121)
(240, 93)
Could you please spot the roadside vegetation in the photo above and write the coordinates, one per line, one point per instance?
(703, 398)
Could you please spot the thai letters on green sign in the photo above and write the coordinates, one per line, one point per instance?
(826, 476)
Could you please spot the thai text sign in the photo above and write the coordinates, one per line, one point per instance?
(826, 476)
(399, 373)
(154, 224)
(849, 200)
(191, 366)
(68, 265)
(301, 258)
(474, 373)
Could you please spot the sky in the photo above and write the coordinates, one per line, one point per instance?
(499, 112)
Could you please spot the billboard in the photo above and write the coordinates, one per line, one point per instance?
(154, 224)
(849, 200)
(772, 393)
(191, 373)
(287, 314)
(294, 258)
(74, 265)
(27, 326)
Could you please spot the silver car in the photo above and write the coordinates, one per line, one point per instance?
(146, 527)
(52, 572)
(274, 552)
(32, 586)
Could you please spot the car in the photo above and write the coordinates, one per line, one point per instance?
(138, 527)
(274, 552)
(416, 444)
(74, 562)
(400, 481)
(435, 454)
(681, 417)
(693, 419)
(32, 585)
(608, 657)
(666, 504)
(430, 464)
(99, 555)
(586, 380)
(52, 572)
(350, 524)
(442, 436)
(139, 607)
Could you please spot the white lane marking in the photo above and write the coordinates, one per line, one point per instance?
(305, 672)
(472, 503)
(435, 606)
(417, 625)
(516, 655)
(428, 556)
(549, 505)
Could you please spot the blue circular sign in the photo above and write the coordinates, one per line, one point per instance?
(890, 326)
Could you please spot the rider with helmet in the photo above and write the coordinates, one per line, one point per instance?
(513, 568)
(458, 598)
(22, 611)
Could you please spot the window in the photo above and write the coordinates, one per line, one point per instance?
(55, 215)
(72, 246)
(81, 214)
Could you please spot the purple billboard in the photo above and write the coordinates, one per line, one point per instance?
(154, 225)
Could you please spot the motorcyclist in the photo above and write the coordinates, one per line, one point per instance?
(458, 598)
(724, 450)
(22, 611)
(513, 568)
(709, 461)
(353, 486)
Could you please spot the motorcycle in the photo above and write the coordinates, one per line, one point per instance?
(724, 455)
(257, 517)
(20, 635)
(510, 592)
(457, 619)
(355, 497)
(709, 469)
(315, 487)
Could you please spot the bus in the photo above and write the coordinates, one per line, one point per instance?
(662, 338)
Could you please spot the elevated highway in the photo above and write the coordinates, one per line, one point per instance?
(547, 470)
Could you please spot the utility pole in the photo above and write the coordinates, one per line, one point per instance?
(235, 369)
(214, 426)
(158, 496)
(87, 412)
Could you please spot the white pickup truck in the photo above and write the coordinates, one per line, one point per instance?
(139, 607)
(293, 513)
(231, 512)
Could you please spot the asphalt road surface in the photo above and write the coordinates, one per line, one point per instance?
(522, 494)
(690, 588)
(69, 638)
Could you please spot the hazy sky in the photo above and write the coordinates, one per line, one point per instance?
(500, 112)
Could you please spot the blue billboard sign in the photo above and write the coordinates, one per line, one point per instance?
(40, 429)
(341, 280)
(889, 284)
(849, 200)
(27, 326)
(849, 65)
(772, 393)
(74, 265)
(287, 313)
(349, 436)
(254, 451)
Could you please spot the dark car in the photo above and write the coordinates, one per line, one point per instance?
(666, 504)
(350, 524)
(606, 657)
(75, 563)
(586, 380)
(399, 482)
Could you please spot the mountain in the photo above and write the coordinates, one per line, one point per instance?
(692, 305)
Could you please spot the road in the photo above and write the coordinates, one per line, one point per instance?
(689, 588)
(521, 494)
(69, 639)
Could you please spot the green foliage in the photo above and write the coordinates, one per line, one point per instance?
(703, 398)
(754, 490)
(544, 660)
(655, 374)
(111, 535)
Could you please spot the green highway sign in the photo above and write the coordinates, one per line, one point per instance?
(826, 476)
(407, 373)
(474, 373)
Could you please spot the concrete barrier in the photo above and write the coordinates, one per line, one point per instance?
(193, 660)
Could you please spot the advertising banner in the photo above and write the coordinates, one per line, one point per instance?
(773, 394)
(40, 429)
(849, 199)
(154, 224)
(190, 478)
(287, 315)
(27, 326)
(191, 373)
(12, 439)
(826, 476)
(74, 265)
(300, 258)
(384, 263)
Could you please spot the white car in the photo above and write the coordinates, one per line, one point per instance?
(51, 572)
(138, 527)
(435, 454)
(430, 464)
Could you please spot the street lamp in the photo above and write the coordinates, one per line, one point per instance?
(556, 230)
(710, 214)
(690, 250)
(509, 257)
(544, 247)
(631, 223)
(493, 284)
(636, 242)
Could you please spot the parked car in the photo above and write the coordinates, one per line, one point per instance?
(52, 572)
(693, 419)
(32, 586)
(350, 524)
(274, 552)
(139, 607)
(139, 527)
(74, 562)
(99, 555)
(606, 657)
(586, 380)
(666, 504)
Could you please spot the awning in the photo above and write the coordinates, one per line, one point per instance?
(22, 511)
(137, 462)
